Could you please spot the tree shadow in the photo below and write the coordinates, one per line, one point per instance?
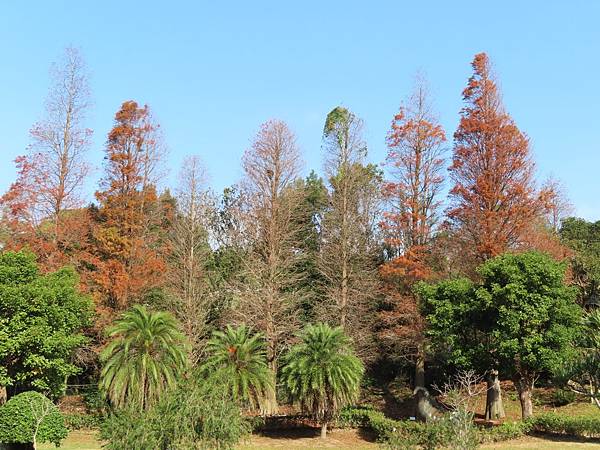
(558, 438)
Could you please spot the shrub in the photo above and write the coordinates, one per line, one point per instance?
(396, 434)
(505, 431)
(31, 417)
(583, 426)
(95, 402)
(82, 421)
(198, 414)
(562, 397)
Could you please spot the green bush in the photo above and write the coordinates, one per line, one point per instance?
(198, 414)
(31, 417)
(400, 434)
(505, 431)
(397, 434)
(95, 401)
(562, 397)
(582, 426)
(83, 421)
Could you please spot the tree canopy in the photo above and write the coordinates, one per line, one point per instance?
(521, 318)
(41, 318)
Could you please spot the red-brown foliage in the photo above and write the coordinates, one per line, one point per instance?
(127, 253)
(494, 198)
(415, 159)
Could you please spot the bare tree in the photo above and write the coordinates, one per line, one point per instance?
(460, 394)
(189, 252)
(40, 408)
(269, 291)
(61, 140)
(348, 253)
(559, 206)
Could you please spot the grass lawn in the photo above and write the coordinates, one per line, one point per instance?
(338, 439)
(77, 440)
(299, 439)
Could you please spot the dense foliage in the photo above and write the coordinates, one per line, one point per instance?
(199, 297)
(145, 357)
(199, 414)
(521, 318)
(322, 373)
(238, 358)
(41, 319)
(30, 417)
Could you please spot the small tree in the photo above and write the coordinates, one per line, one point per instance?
(31, 418)
(239, 360)
(144, 359)
(521, 319)
(322, 373)
(460, 393)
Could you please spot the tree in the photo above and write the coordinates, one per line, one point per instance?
(584, 239)
(189, 254)
(51, 176)
(128, 260)
(521, 319)
(415, 160)
(238, 358)
(41, 319)
(348, 257)
(310, 219)
(494, 198)
(322, 373)
(582, 373)
(146, 355)
(31, 418)
(268, 290)
(42, 208)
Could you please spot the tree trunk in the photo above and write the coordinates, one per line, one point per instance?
(420, 367)
(524, 385)
(3, 395)
(494, 408)
(323, 430)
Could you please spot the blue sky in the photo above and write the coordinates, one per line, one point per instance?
(213, 71)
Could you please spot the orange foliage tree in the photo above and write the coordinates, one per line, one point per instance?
(495, 204)
(415, 161)
(127, 248)
(494, 198)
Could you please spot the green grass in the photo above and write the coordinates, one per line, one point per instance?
(77, 440)
(87, 440)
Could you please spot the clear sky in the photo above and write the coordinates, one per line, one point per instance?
(213, 71)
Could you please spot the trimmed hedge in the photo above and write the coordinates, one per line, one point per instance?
(581, 426)
(505, 431)
(396, 433)
(408, 434)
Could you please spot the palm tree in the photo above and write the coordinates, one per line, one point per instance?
(322, 372)
(238, 358)
(145, 357)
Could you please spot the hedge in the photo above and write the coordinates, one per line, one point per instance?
(403, 434)
(579, 426)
